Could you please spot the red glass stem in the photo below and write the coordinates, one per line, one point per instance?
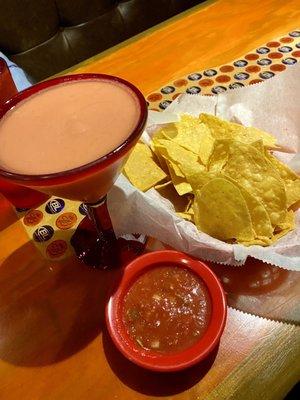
(99, 215)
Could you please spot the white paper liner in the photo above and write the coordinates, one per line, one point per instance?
(273, 106)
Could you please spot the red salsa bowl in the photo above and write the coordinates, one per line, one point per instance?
(168, 311)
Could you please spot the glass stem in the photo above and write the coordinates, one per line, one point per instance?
(99, 215)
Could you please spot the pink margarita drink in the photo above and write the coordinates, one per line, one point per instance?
(66, 129)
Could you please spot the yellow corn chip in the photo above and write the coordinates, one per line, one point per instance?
(176, 153)
(258, 242)
(181, 185)
(193, 136)
(185, 215)
(260, 219)
(163, 185)
(198, 179)
(221, 211)
(141, 169)
(293, 194)
(221, 129)
(219, 155)
(291, 180)
(162, 151)
(288, 223)
(249, 167)
(284, 171)
(159, 159)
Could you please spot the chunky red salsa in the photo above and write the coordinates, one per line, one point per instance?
(167, 309)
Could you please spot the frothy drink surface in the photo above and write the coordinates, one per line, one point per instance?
(67, 126)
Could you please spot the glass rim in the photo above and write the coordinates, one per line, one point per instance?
(101, 161)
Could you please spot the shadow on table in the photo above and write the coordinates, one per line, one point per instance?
(262, 289)
(8, 214)
(153, 383)
(49, 310)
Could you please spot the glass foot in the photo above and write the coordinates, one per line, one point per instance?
(92, 248)
(100, 253)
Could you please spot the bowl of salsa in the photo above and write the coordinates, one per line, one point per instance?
(168, 311)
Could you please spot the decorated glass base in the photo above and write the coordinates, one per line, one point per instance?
(95, 243)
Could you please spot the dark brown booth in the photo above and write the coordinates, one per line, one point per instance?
(45, 37)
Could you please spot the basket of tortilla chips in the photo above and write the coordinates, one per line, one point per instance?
(220, 176)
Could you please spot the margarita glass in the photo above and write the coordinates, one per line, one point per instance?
(91, 181)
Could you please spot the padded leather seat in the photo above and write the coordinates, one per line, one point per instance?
(46, 36)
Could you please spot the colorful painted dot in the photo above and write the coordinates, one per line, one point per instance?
(251, 56)
(277, 67)
(180, 83)
(274, 55)
(236, 85)
(263, 50)
(223, 78)
(289, 61)
(206, 82)
(218, 89)
(252, 68)
(33, 217)
(266, 74)
(83, 209)
(164, 104)
(295, 34)
(57, 248)
(193, 90)
(285, 49)
(286, 40)
(154, 97)
(273, 44)
(66, 220)
(255, 81)
(167, 89)
(194, 77)
(227, 68)
(240, 63)
(210, 72)
(43, 233)
(240, 76)
(264, 61)
(54, 206)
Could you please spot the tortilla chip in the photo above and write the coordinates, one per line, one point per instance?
(260, 219)
(141, 169)
(193, 136)
(219, 155)
(221, 211)
(249, 167)
(185, 215)
(291, 180)
(221, 129)
(181, 185)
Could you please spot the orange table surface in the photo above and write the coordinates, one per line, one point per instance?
(211, 34)
(53, 343)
